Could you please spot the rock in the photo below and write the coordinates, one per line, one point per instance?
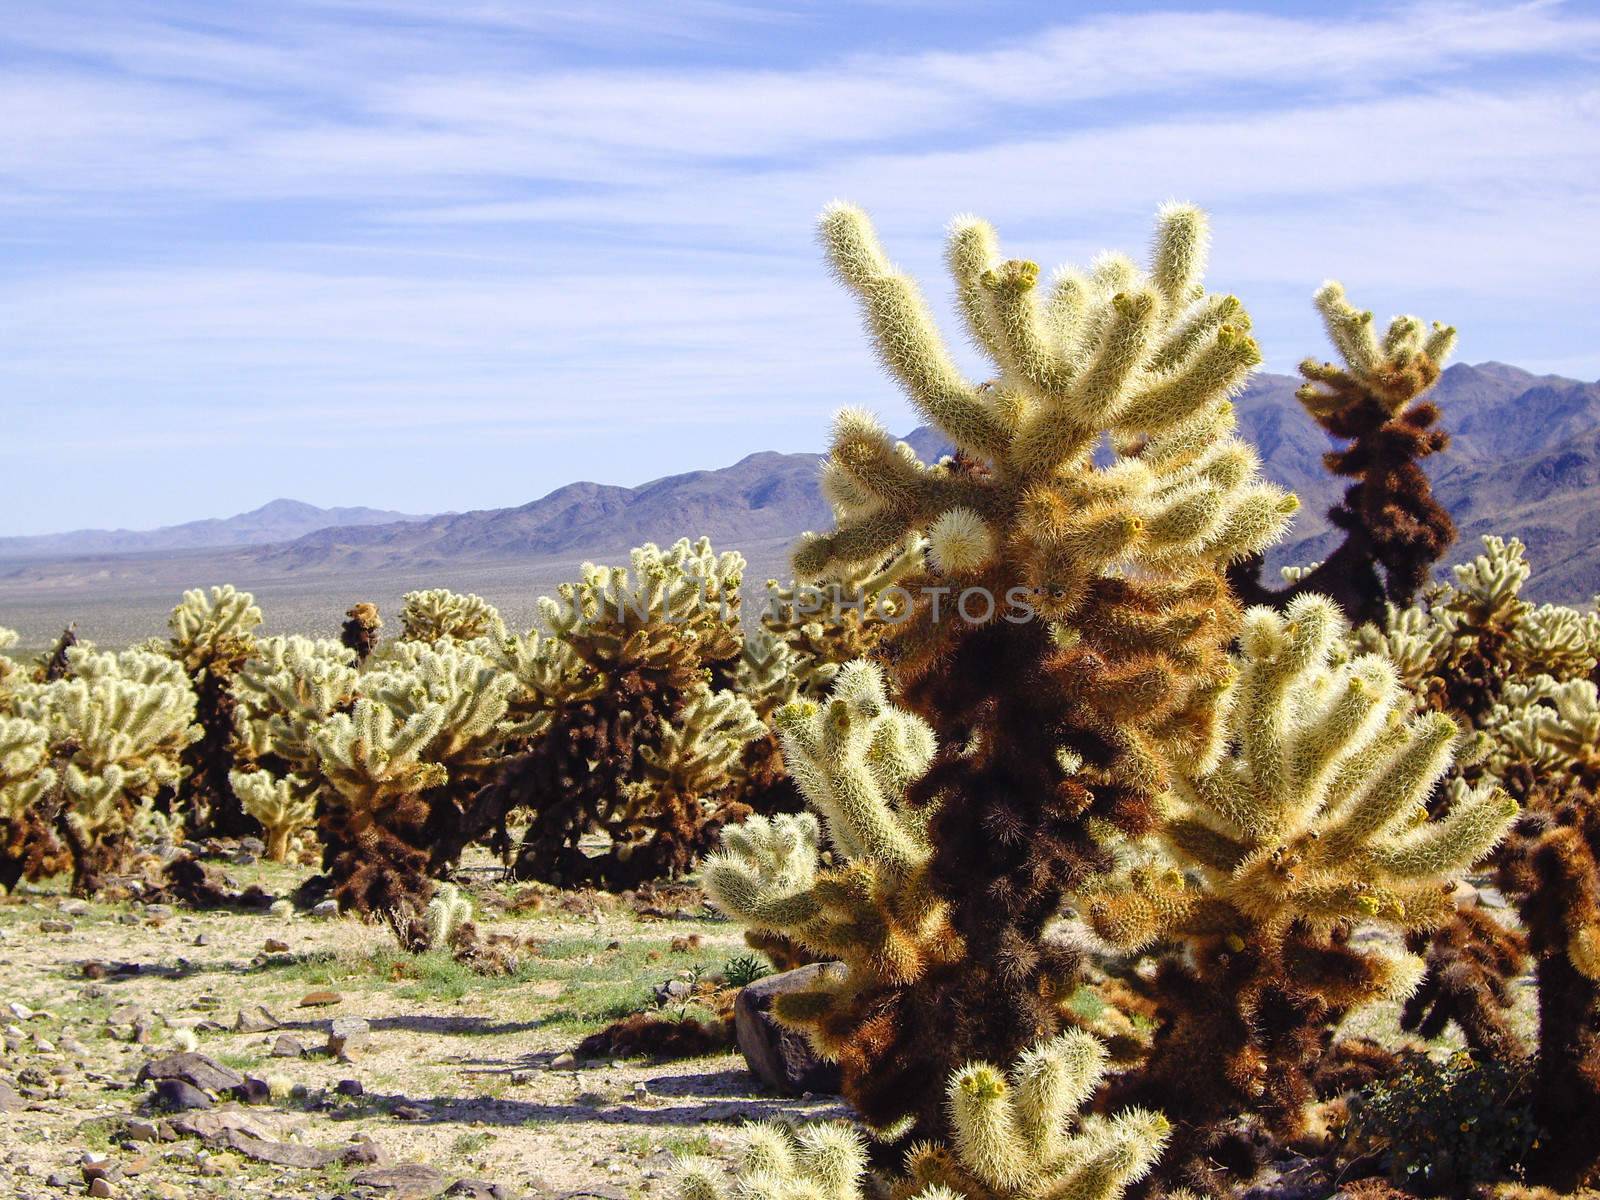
(349, 1087)
(255, 1019)
(319, 999)
(10, 1101)
(55, 926)
(146, 1131)
(779, 1057)
(180, 1096)
(194, 1068)
(253, 846)
(288, 1046)
(348, 1036)
(127, 918)
(20, 1010)
(327, 909)
(158, 912)
(409, 1112)
(100, 1187)
(283, 1154)
(275, 946)
(202, 939)
(478, 1189)
(673, 989)
(253, 1091)
(408, 1181)
(210, 1125)
(564, 1061)
(57, 1180)
(74, 907)
(361, 1152)
(165, 1191)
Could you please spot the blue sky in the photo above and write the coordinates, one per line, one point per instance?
(429, 256)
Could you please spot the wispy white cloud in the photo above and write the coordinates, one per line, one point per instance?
(416, 227)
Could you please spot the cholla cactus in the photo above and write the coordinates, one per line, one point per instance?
(290, 687)
(423, 738)
(1313, 823)
(1013, 1138)
(359, 634)
(439, 613)
(876, 911)
(448, 914)
(286, 808)
(827, 623)
(1394, 529)
(118, 725)
(213, 636)
(629, 651)
(1552, 869)
(29, 847)
(1471, 640)
(1067, 615)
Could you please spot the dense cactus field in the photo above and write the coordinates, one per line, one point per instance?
(1089, 862)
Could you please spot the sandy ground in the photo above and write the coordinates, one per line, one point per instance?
(461, 1072)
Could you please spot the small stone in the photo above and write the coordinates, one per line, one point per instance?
(100, 1187)
(362, 1151)
(165, 1191)
(350, 1087)
(564, 1061)
(20, 1011)
(202, 939)
(409, 1112)
(253, 1091)
(275, 946)
(55, 926)
(288, 1046)
(10, 1101)
(255, 1019)
(319, 999)
(142, 1131)
(348, 1036)
(180, 1096)
(158, 912)
(127, 918)
(57, 1180)
(74, 907)
(327, 909)
(477, 1189)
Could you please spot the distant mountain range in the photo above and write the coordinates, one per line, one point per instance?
(275, 521)
(1524, 459)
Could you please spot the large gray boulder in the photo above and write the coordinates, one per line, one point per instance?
(780, 1057)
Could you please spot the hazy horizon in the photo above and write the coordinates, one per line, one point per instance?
(421, 257)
